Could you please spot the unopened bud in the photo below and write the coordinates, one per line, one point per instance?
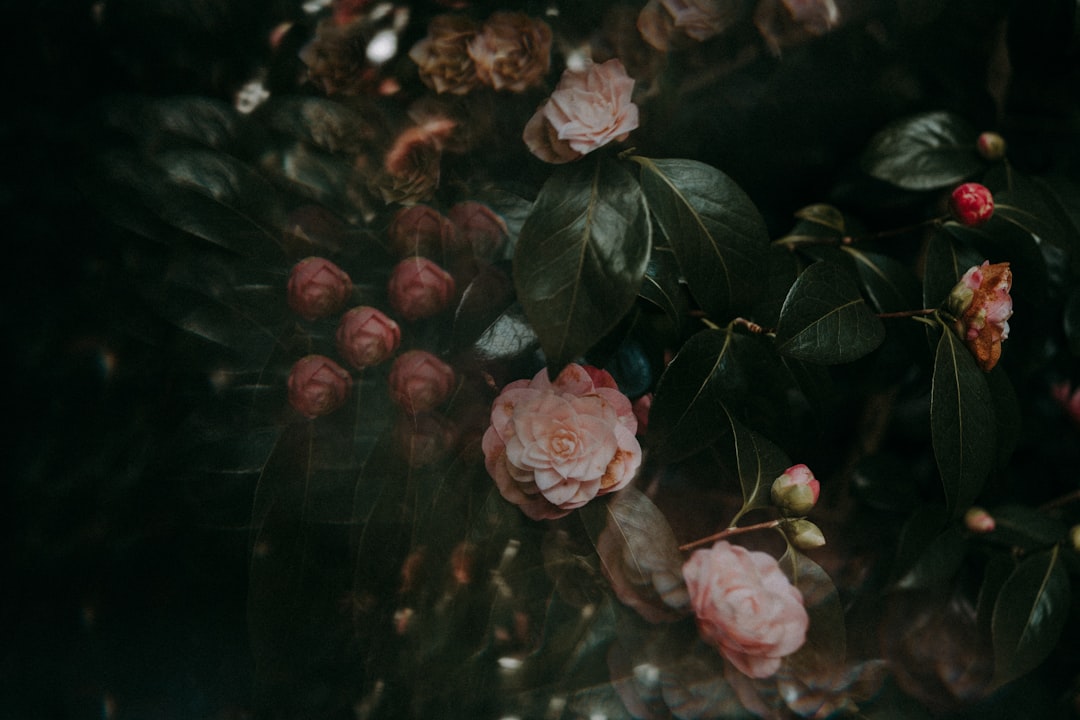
(1074, 537)
(971, 204)
(979, 521)
(796, 491)
(991, 146)
(804, 534)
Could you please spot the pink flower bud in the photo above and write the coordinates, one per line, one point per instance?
(479, 226)
(317, 288)
(420, 382)
(420, 230)
(971, 204)
(318, 386)
(419, 288)
(642, 406)
(982, 306)
(366, 337)
(979, 521)
(991, 146)
(796, 491)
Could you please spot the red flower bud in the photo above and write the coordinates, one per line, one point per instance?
(318, 386)
(419, 288)
(420, 230)
(480, 227)
(420, 382)
(317, 288)
(366, 337)
(991, 146)
(971, 204)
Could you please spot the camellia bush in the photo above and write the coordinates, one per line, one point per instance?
(552, 395)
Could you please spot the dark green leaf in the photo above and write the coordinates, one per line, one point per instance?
(825, 319)
(923, 152)
(756, 460)
(961, 422)
(1025, 527)
(662, 286)
(826, 637)
(946, 263)
(888, 283)
(1007, 418)
(508, 336)
(716, 232)
(926, 549)
(1029, 614)
(1071, 322)
(825, 215)
(484, 299)
(998, 569)
(581, 256)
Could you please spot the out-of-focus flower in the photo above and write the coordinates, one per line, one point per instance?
(419, 288)
(745, 607)
(696, 19)
(1069, 399)
(982, 306)
(317, 288)
(411, 167)
(796, 491)
(642, 406)
(804, 534)
(366, 337)
(991, 145)
(336, 59)
(442, 57)
(318, 386)
(554, 446)
(971, 204)
(345, 11)
(424, 438)
(420, 230)
(512, 51)
(420, 382)
(588, 109)
(1074, 537)
(977, 520)
(479, 226)
(787, 22)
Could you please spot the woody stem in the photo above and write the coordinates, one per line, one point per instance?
(728, 532)
(907, 313)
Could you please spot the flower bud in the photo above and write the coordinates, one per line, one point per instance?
(804, 534)
(420, 382)
(318, 386)
(1074, 537)
(971, 204)
(982, 306)
(979, 521)
(991, 146)
(366, 337)
(317, 288)
(419, 288)
(479, 227)
(419, 230)
(796, 491)
(641, 407)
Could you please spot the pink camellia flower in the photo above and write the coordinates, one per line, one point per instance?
(588, 109)
(419, 288)
(420, 382)
(442, 58)
(554, 446)
(419, 230)
(317, 288)
(318, 386)
(971, 204)
(479, 226)
(982, 306)
(366, 337)
(696, 19)
(512, 51)
(796, 491)
(745, 607)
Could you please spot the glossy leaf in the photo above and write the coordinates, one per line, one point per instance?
(1007, 417)
(581, 256)
(826, 637)
(923, 152)
(1031, 609)
(715, 230)
(825, 215)
(1025, 527)
(889, 285)
(661, 285)
(946, 263)
(756, 460)
(825, 319)
(961, 422)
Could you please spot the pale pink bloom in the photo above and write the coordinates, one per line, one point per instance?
(745, 607)
(420, 382)
(981, 303)
(317, 288)
(554, 446)
(512, 51)
(318, 386)
(588, 109)
(418, 288)
(366, 337)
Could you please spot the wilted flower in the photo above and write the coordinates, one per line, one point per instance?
(588, 109)
(512, 51)
(553, 446)
(336, 59)
(419, 230)
(971, 204)
(411, 167)
(419, 288)
(318, 386)
(796, 491)
(366, 337)
(479, 226)
(981, 304)
(442, 57)
(991, 145)
(745, 607)
(420, 382)
(317, 288)
(696, 19)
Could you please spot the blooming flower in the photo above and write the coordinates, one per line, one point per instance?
(745, 607)
(512, 51)
(419, 288)
(317, 288)
(553, 446)
(318, 386)
(588, 109)
(366, 337)
(420, 382)
(971, 204)
(442, 57)
(981, 304)
(697, 19)
(796, 491)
